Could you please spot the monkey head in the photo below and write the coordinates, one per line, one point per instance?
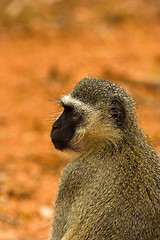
(95, 113)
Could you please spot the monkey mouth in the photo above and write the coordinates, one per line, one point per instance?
(57, 145)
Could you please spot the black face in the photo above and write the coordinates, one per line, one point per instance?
(64, 128)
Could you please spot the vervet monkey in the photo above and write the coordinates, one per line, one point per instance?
(112, 190)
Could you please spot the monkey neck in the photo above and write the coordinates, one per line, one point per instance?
(131, 152)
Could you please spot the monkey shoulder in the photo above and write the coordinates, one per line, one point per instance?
(80, 174)
(71, 179)
(73, 171)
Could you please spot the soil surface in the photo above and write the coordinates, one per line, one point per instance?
(35, 68)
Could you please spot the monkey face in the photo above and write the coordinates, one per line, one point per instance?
(82, 127)
(95, 113)
(64, 128)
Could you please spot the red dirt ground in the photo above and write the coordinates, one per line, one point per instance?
(35, 69)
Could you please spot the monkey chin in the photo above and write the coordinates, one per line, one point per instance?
(67, 148)
(58, 145)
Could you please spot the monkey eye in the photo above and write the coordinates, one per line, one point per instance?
(76, 116)
(71, 111)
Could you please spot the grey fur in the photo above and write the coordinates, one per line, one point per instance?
(112, 191)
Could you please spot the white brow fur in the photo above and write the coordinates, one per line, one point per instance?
(69, 100)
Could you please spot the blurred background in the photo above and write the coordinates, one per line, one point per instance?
(46, 47)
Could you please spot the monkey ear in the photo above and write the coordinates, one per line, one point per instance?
(118, 112)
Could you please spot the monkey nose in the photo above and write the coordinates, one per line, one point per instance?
(55, 126)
